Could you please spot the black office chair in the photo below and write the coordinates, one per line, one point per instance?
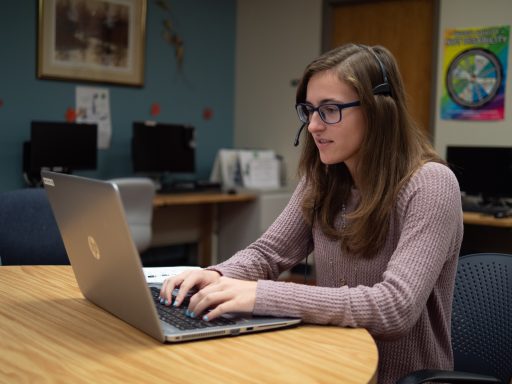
(481, 323)
(28, 231)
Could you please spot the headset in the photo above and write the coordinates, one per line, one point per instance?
(383, 88)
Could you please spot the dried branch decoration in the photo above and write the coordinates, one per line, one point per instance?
(169, 34)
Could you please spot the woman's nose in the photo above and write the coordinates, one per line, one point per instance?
(315, 123)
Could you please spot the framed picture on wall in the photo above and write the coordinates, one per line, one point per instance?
(92, 40)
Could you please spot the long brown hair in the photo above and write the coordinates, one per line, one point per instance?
(393, 148)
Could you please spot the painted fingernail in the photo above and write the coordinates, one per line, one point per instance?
(166, 302)
(192, 314)
(161, 300)
(205, 318)
(176, 303)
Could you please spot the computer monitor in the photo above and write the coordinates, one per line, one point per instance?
(60, 146)
(163, 148)
(485, 171)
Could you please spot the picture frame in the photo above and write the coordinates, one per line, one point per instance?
(92, 40)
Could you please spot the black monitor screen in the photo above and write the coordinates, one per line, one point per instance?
(161, 148)
(69, 146)
(485, 171)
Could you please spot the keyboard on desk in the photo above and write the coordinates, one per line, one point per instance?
(192, 186)
(486, 209)
(176, 315)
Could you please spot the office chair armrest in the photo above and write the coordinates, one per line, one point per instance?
(437, 376)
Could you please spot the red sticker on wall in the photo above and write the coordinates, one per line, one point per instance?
(155, 109)
(70, 115)
(207, 113)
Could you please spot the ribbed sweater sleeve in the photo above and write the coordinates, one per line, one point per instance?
(386, 294)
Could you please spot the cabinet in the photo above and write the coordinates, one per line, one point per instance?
(241, 224)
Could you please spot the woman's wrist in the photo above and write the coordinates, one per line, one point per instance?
(212, 269)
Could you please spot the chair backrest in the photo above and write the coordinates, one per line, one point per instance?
(482, 315)
(28, 230)
(137, 194)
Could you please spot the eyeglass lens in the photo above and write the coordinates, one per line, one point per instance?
(329, 113)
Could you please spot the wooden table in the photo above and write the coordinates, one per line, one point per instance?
(187, 217)
(50, 333)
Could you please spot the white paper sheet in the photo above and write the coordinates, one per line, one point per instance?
(156, 275)
(260, 169)
(93, 106)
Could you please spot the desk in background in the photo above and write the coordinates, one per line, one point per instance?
(485, 233)
(474, 218)
(50, 333)
(222, 224)
(191, 217)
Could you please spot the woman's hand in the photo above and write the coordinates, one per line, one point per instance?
(186, 281)
(223, 296)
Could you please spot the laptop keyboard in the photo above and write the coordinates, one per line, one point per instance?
(177, 318)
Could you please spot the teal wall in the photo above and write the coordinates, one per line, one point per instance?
(206, 81)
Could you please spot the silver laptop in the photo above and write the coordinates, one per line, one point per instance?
(108, 268)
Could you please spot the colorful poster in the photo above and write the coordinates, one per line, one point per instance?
(475, 72)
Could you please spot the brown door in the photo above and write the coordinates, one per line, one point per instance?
(405, 27)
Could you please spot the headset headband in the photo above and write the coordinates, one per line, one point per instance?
(383, 88)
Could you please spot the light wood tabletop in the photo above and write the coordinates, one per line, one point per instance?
(50, 333)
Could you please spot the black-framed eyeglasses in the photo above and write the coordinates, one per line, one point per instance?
(330, 113)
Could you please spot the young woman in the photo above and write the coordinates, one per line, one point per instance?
(378, 208)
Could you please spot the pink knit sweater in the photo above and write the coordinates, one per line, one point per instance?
(403, 296)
